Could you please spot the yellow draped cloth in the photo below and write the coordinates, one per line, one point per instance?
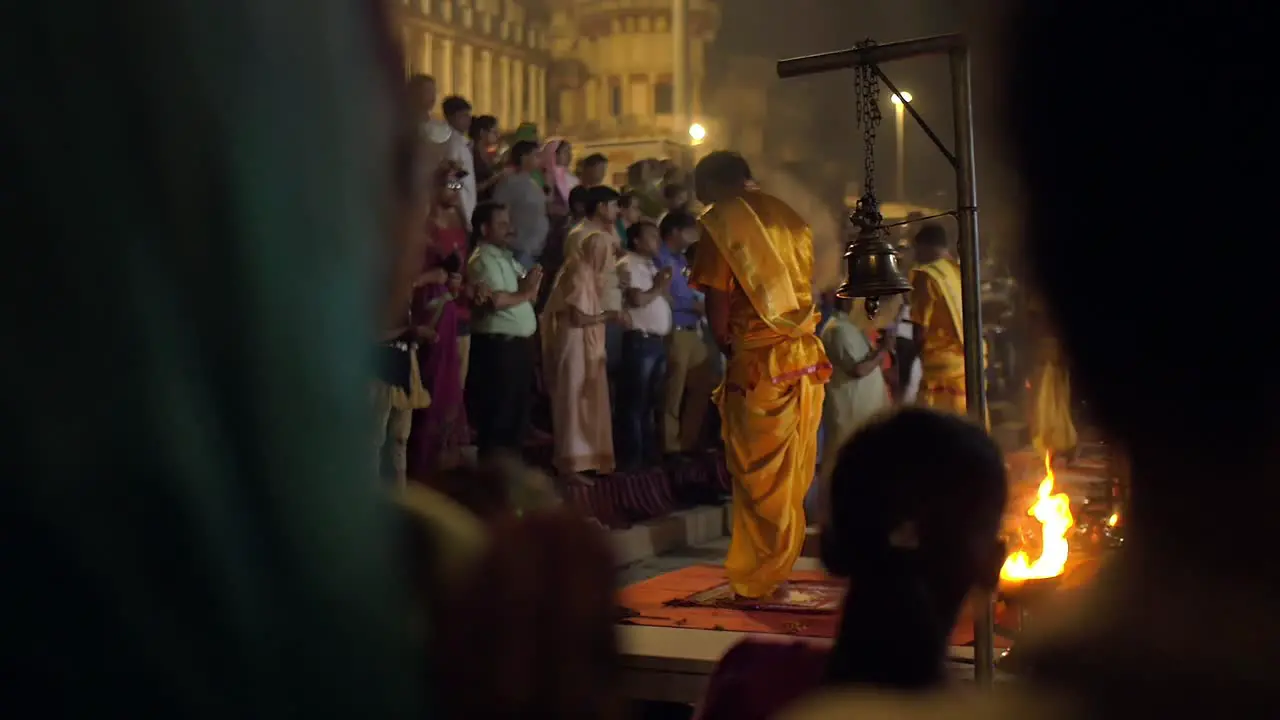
(1050, 423)
(759, 251)
(936, 307)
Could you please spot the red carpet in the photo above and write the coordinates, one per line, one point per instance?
(650, 603)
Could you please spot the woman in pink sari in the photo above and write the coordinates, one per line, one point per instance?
(555, 156)
(574, 363)
(439, 303)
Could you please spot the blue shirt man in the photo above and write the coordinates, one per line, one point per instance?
(685, 303)
(690, 366)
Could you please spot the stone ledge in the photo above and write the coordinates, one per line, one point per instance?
(680, 529)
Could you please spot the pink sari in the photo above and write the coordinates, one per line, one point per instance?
(439, 430)
(574, 363)
(558, 178)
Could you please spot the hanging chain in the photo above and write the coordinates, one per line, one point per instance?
(867, 91)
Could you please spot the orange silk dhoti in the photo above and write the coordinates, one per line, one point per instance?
(757, 251)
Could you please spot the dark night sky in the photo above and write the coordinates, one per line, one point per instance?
(801, 27)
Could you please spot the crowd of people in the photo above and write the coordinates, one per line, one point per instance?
(549, 289)
(568, 296)
(190, 530)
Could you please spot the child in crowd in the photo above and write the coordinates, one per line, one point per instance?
(628, 213)
(646, 328)
(397, 391)
(914, 504)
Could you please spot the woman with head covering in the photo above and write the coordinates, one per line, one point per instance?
(555, 155)
(574, 361)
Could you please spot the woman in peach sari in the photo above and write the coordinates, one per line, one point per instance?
(573, 325)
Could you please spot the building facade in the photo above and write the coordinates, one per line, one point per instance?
(495, 53)
(614, 72)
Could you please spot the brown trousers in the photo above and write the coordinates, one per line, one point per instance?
(690, 379)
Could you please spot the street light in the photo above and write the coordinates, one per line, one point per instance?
(899, 101)
(697, 133)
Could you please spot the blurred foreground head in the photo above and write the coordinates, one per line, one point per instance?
(531, 631)
(195, 530)
(1164, 324)
(922, 490)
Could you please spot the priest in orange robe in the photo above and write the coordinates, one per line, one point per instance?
(936, 310)
(755, 264)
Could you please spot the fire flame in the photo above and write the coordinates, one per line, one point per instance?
(1053, 512)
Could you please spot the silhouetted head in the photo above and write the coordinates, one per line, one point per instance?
(594, 168)
(720, 175)
(420, 96)
(629, 208)
(679, 230)
(601, 204)
(578, 201)
(483, 131)
(643, 238)
(922, 490)
(929, 242)
(524, 156)
(676, 196)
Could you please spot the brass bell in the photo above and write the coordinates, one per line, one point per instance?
(871, 262)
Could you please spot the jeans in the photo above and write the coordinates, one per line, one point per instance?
(613, 348)
(641, 372)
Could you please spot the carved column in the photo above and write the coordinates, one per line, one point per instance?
(504, 93)
(517, 90)
(485, 85)
(426, 64)
(445, 81)
(466, 86)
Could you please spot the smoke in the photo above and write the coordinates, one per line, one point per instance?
(826, 221)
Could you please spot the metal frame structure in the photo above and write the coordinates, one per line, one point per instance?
(956, 48)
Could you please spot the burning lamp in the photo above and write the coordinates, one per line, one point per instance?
(871, 263)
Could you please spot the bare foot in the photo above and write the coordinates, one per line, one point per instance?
(782, 592)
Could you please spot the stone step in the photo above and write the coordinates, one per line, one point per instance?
(680, 529)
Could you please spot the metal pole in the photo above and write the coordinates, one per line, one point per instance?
(900, 146)
(970, 272)
(874, 55)
(971, 307)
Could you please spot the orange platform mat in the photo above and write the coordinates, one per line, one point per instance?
(650, 603)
